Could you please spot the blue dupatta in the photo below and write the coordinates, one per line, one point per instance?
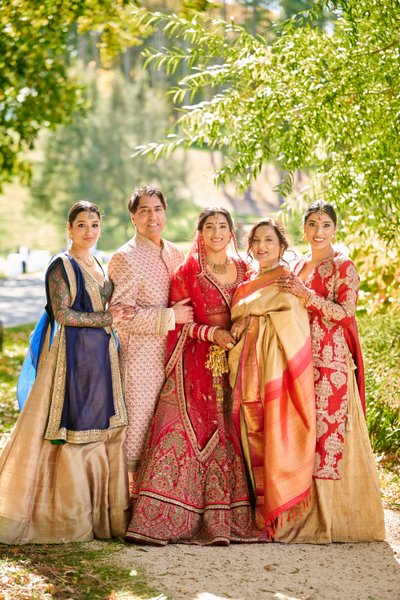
(37, 340)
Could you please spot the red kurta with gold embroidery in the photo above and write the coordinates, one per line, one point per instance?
(334, 335)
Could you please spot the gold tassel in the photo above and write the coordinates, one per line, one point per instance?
(217, 363)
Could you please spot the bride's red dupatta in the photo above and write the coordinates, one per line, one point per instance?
(188, 345)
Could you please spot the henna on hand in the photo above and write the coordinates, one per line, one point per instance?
(224, 339)
(292, 284)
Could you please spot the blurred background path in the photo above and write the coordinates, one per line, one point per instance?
(22, 299)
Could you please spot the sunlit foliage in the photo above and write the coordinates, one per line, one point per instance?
(37, 50)
(320, 99)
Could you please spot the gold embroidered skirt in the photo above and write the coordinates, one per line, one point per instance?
(347, 509)
(60, 493)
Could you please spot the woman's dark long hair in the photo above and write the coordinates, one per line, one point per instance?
(210, 211)
(82, 205)
(320, 206)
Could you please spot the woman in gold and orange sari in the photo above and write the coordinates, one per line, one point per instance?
(271, 375)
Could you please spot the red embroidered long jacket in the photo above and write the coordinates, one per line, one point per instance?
(336, 350)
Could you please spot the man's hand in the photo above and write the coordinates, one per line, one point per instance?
(183, 314)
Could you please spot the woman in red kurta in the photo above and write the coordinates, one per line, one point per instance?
(191, 484)
(346, 502)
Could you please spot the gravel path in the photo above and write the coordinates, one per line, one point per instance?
(275, 571)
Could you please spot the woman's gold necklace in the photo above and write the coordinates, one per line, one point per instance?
(264, 270)
(88, 263)
(218, 269)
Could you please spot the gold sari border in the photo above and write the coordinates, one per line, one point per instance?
(195, 509)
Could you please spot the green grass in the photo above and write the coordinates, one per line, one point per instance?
(11, 359)
(71, 571)
(380, 337)
(20, 225)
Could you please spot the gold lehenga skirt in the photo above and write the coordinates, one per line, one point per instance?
(347, 509)
(60, 493)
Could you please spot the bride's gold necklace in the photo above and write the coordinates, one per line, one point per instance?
(218, 269)
(264, 270)
(88, 263)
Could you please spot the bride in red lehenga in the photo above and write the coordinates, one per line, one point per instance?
(191, 485)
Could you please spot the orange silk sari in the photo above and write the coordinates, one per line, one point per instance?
(271, 374)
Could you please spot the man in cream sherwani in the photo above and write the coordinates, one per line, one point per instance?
(141, 272)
